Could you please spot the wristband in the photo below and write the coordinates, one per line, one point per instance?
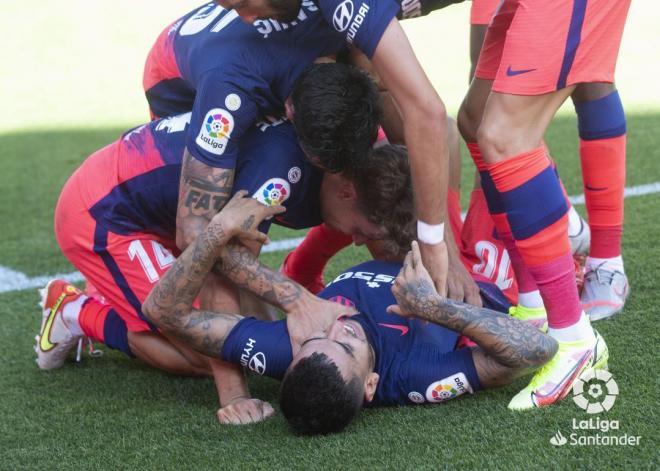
(431, 234)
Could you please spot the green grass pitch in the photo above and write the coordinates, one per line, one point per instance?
(72, 83)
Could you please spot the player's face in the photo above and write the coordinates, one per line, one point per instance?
(345, 343)
(351, 221)
(340, 211)
(253, 10)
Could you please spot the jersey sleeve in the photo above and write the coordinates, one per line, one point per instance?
(363, 22)
(429, 375)
(222, 112)
(261, 346)
(273, 169)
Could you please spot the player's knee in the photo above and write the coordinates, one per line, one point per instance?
(491, 141)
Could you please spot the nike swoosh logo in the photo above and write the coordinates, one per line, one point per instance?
(402, 328)
(44, 339)
(594, 188)
(510, 72)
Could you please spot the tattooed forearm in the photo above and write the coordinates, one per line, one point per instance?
(203, 191)
(509, 341)
(169, 305)
(241, 267)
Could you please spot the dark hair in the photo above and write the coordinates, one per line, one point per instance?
(336, 115)
(385, 195)
(286, 10)
(315, 399)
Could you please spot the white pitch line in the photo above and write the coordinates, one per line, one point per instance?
(12, 280)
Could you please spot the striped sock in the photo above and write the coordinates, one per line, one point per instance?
(536, 211)
(524, 278)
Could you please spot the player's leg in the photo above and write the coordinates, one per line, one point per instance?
(123, 269)
(602, 128)
(510, 137)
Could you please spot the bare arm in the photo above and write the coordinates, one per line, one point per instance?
(203, 191)
(306, 313)
(425, 130)
(169, 305)
(507, 347)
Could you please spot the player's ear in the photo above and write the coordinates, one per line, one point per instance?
(288, 109)
(370, 384)
(347, 189)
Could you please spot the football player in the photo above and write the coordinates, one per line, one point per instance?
(363, 353)
(533, 57)
(116, 216)
(602, 130)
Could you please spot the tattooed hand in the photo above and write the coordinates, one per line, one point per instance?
(413, 287)
(241, 216)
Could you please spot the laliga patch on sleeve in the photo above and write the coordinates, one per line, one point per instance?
(216, 130)
(275, 191)
(448, 388)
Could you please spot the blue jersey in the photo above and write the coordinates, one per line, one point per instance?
(234, 72)
(142, 195)
(417, 361)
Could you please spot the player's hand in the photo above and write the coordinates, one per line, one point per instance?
(241, 216)
(302, 324)
(436, 260)
(245, 411)
(413, 287)
(460, 285)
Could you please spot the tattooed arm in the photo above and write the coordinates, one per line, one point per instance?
(169, 305)
(306, 313)
(507, 347)
(203, 191)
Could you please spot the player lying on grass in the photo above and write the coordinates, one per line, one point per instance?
(365, 353)
(115, 222)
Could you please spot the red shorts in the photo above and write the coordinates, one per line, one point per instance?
(534, 47)
(122, 268)
(481, 11)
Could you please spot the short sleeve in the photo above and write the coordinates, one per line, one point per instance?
(222, 112)
(263, 347)
(362, 22)
(429, 375)
(274, 170)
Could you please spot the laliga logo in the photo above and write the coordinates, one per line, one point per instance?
(595, 391)
(217, 126)
(558, 439)
(343, 15)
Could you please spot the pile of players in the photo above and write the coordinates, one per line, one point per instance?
(262, 113)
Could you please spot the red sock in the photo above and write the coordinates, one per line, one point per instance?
(307, 261)
(525, 280)
(604, 177)
(92, 319)
(536, 210)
